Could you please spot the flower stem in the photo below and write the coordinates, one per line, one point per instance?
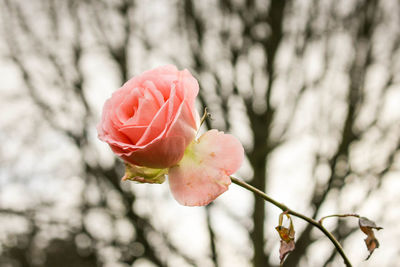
(284, 208)
(339, 216)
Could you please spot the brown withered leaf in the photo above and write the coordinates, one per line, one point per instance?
(285, 249)
(287, 237)
(285, 233)
(367, 226)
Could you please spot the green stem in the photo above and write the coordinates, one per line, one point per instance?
(284, 208)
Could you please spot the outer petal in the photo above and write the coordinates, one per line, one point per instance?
(203, 173)
(163, 153)
(106, 129)
(187, 89)
(183, 125)
(223, 151)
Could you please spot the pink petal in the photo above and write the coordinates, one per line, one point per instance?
(106, 129)
(161, 120)
(162, 153)
(187, 88)
(190, 86)
(115, 102)
(128, 106)
(197, 185)
(224, 151)
(162, 77)
(156, 94)
(183, 124)
(203, 173)
(134, 133)
(146, 110)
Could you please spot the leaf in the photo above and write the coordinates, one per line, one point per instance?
(287, 237)
(285, 249)
(284, 233)
(367, 227)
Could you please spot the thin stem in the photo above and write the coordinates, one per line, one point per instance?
(339, 215)
(284, 208)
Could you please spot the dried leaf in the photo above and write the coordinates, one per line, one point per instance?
(287, 237)
(285, 249)
(285, 233)
(367, 227)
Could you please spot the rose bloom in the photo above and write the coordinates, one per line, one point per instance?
(151, 123)
(152, 118)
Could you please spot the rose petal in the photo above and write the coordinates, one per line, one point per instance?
(187, 89)
(190, 86)
(133, 132)
(145, 113)
(162, 153)
(106, 130)
(162, 77)
(128, 107)
(156, 94)
(225, 151)
(203, 173)
(146, 108)
(161, 120)
(194, 185)
(183, 124)
(115, 102)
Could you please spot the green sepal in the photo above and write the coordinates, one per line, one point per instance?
(143, 174)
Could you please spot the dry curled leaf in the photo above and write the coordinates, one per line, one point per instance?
(287, 237)
(367, 227)
(285, 249)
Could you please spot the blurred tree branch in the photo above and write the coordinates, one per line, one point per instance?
(267, 59)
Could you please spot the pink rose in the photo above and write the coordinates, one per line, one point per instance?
(152, 118)
(151, 123)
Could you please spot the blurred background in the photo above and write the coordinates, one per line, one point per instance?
(310, 87)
